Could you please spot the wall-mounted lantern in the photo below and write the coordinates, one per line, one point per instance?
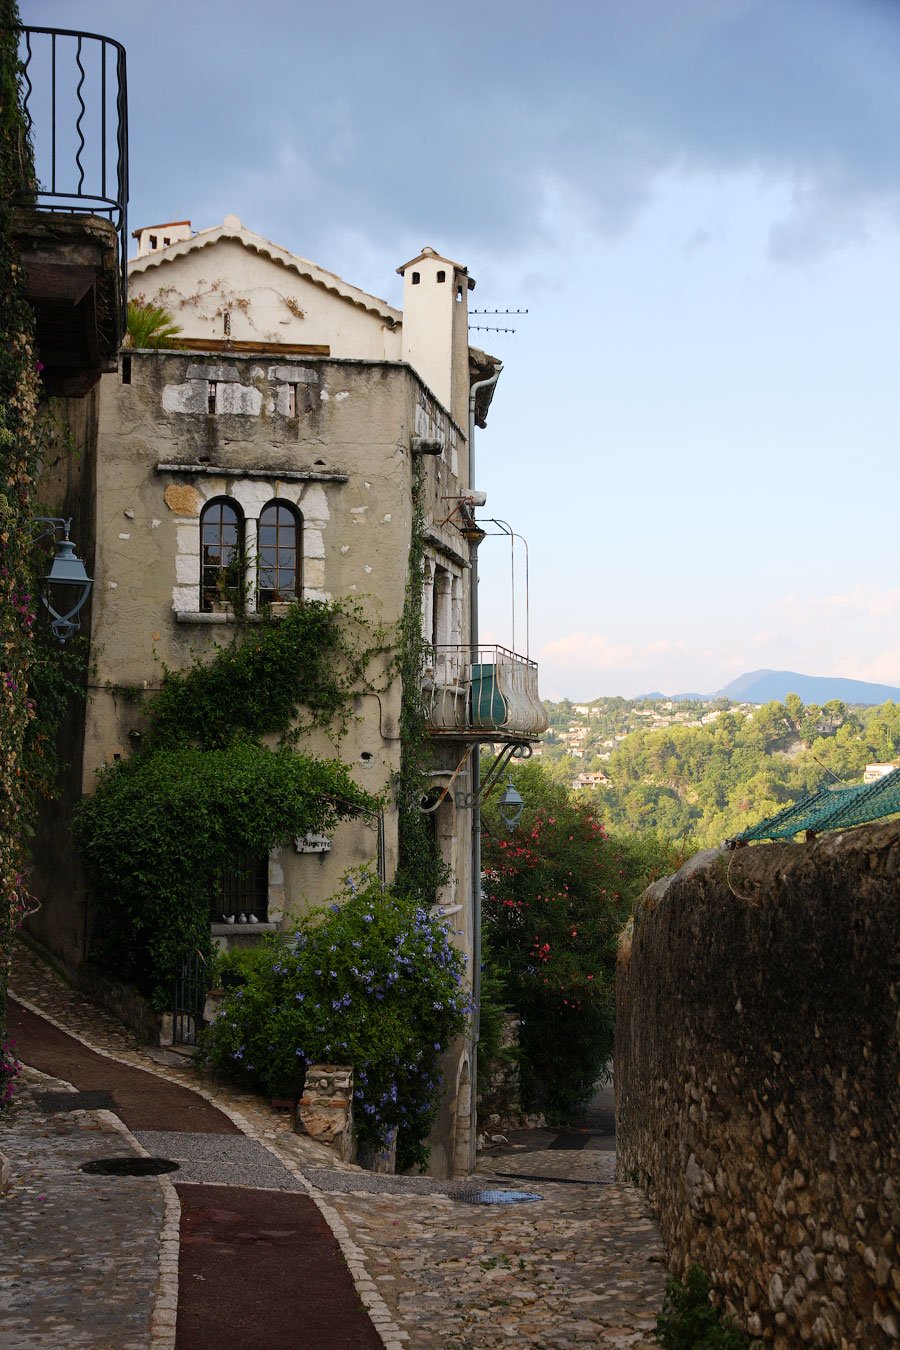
(66, 587)
(510, 806)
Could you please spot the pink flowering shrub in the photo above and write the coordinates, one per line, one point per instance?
(556, 893)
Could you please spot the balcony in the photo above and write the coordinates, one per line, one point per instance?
(71, 230)
(482, 694)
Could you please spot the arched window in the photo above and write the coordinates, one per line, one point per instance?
(221, 554)
(280, 553)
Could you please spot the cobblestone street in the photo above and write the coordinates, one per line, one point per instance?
(582, 1265)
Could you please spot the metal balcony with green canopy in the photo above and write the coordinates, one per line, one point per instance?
(831, 808)
(482, 694)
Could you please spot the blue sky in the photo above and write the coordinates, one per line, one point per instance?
(697, 427)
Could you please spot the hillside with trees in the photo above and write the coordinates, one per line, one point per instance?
(703, 772)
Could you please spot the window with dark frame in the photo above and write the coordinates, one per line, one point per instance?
(241, 887)
(221, 551)
(280, 556)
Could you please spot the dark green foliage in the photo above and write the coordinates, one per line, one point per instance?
(306, 659)
(372, 982)
(689, 1321)
(161, 826)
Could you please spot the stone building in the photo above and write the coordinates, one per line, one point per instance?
(278, 435)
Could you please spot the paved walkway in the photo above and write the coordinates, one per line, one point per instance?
(583, 1265)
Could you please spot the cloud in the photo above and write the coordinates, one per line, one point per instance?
(594, 651)
(865, 602)
(452, 120)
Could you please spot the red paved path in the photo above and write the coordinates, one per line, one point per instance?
(143, 1101)
(235, 1245)
(258, 1270)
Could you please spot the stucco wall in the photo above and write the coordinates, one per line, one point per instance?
(264, 299)
(757, 1081)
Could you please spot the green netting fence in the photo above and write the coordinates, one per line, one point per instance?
(831, 808)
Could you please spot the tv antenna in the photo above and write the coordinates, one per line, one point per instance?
(493, 328)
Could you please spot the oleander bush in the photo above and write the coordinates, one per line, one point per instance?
(372, 981)
(557, 891)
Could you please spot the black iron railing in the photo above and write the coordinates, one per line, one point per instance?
(76, 106)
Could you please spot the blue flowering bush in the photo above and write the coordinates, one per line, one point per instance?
(372, 981)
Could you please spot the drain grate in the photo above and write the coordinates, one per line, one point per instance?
(75, 1101)
(556, 1181)
(493, 1197)
(129, 1166)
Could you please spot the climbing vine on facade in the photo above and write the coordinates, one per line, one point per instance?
(19, 387)
(420, 870)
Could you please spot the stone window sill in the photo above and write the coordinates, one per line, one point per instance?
(195, 616)
(224, 929)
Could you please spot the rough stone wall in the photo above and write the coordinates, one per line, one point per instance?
(757, 1081)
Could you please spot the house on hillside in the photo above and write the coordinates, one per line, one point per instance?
(279, 435)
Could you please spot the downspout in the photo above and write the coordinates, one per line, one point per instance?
(476, 749)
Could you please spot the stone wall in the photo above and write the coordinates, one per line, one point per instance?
(757, 1081)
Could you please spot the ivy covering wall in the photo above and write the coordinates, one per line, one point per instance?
(19, 387)
(162, 825)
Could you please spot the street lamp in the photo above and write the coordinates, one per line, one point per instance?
(66, 587)
(510, 806)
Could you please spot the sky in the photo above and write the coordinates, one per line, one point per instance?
(697, 201)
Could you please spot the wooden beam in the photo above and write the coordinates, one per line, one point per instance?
(267, 348)
(57, 281)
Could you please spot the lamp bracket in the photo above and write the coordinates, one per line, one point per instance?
(491, 779)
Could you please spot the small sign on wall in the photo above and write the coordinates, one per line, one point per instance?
(312, 843)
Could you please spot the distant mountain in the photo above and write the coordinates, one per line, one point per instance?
(762, 686)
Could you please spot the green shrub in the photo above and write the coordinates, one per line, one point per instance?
(689, 1321)
(372, 982)
(160, 827)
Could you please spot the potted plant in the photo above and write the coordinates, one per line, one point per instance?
(279, 605)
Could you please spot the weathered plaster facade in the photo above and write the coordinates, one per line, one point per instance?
(343, 458)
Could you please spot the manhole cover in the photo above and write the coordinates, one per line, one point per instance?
(130, 1166)
(75, 1101)
(496, 1197)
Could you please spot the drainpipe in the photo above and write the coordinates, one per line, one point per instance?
(474, 541)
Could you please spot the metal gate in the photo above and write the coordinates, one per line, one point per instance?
(188, 998)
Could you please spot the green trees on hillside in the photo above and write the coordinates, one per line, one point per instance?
(705, 783)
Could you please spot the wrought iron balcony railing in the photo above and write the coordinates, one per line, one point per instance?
(75, 102)
(482, 693)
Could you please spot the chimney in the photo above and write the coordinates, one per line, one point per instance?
(435, 336)
(151, 238)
